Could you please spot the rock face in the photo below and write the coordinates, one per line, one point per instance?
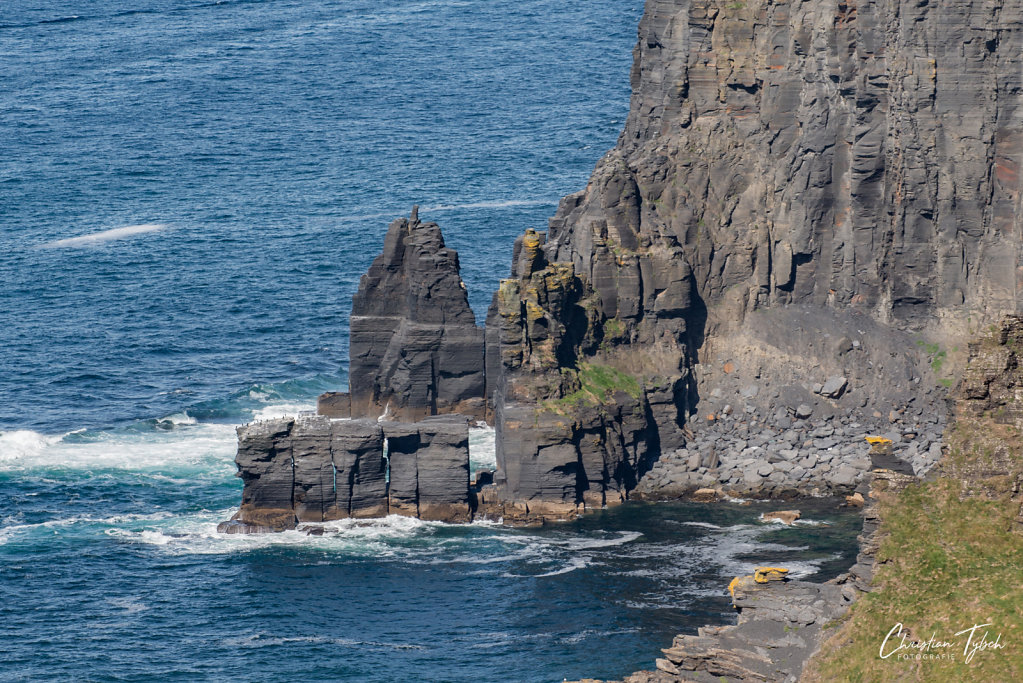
(851, 155)
(577, 424)
(806, 199)
(992, 384)
(415, 347)
(855, 164)
(429, 469)
(313, 469)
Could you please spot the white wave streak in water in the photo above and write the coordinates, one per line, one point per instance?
(197, 535)
(261, 640)
(189, 449)
(106, 236)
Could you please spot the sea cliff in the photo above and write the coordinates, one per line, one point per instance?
(811, 208)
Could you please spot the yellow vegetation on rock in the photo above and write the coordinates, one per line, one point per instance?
(765, 574)
(878, 441)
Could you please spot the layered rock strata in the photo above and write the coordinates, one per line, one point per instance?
(313, 469)
(415, 349)
(849, 155)
(856, 162)
(577, 424)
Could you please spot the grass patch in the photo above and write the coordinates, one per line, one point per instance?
(949, 559)
(614, 328)
(597, 384)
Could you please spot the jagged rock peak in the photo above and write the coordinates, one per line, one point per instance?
(415, 277)
(415, 347)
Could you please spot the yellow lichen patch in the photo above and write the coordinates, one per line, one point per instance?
(765, 574)
(878, 441)
(533, 312)
(531, 242)
(732, 585)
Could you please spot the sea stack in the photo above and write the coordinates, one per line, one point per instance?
(398, 444)
(415, 348)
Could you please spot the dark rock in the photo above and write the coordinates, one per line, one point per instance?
(314, 469)
(415, 347)
(334, 404)
(443, 470)
(357, 449)
(313, 496)
(803, 411)
(265, 466)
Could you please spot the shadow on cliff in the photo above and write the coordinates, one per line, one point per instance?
(696, 330)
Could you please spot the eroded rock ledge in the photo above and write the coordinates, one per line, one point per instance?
(313, 469)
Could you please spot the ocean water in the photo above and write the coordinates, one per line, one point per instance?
(189, 192)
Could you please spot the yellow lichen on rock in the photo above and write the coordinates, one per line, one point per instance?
(765, 574)
(878, 441)
(732, 585)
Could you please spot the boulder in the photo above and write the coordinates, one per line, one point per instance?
(786, 516)
(834, 387)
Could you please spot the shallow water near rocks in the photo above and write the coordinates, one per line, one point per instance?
(190, 193)
(114, 571)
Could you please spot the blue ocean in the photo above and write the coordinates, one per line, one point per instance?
(189, 192)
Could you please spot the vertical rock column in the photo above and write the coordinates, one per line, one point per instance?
(415, 347)
(315, 469)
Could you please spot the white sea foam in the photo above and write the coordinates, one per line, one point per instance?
(15, 531)
(197, 535)
(482, 447)
(187, 449)
(593, 543)
(702, 525)
(282, 410)
(182, 418)
(106, 236)
(573, 564)
(129, 605)
(23, 443)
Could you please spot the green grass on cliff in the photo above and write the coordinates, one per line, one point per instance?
(597, 384)
(951, 558)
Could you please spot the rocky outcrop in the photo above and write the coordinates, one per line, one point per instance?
(847, 173)
(313, 469)
(429, 469)
(992, 385)
(780, 623)
(779, 627)
(577, 424)
(988, 417)
(415, 347)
